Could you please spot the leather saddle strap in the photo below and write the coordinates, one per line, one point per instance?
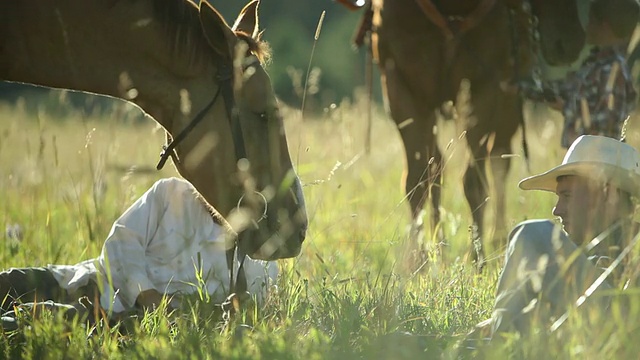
(467, 23)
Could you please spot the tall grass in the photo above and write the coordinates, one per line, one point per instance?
(63, 182)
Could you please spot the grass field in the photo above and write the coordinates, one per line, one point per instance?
(64, 181)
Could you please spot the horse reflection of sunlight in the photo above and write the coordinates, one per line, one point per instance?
(203, 148)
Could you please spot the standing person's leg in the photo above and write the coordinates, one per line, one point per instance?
(18, 285)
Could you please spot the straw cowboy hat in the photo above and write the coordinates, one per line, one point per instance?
(598, 158)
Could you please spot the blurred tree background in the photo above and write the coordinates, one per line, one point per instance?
(337, 69)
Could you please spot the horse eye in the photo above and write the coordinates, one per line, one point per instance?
(263, 116)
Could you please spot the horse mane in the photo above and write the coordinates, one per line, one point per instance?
(218, 219)
(181, 21)
(257, 47)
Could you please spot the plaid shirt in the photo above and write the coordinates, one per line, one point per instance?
(598, 97)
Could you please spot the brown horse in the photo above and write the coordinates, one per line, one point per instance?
(430, 50)
(426, 51)
(202, 80)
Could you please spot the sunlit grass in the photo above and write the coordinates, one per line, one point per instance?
(64, 181)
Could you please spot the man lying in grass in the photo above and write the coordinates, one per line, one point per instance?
(166, 243)
(549, 271)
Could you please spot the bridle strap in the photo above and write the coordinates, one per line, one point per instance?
(225, 76)
(225, 87)
(240, 285)
(169, 149)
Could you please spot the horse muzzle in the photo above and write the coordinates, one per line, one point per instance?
(281, 240)
(281, 229)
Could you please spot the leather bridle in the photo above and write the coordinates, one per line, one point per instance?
(224, 77)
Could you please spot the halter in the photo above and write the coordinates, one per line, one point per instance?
(224, 77)
(225, 87)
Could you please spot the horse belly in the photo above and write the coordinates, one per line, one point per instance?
(408, 46)
(483, 54)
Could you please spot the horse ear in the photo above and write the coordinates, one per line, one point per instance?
(215, 29)
(247, 21)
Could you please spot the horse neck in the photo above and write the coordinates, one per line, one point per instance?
(90, 46)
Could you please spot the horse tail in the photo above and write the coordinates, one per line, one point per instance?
(514, 9)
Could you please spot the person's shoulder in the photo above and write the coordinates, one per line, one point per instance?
(543, 227)
(538, 234)
(172, 185)
(174, 192)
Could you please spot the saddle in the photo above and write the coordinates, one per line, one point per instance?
(521, 24)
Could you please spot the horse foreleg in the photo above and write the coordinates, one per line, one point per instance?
(415, 118)
(421, 182)
(476, 194)
(500, 166)
(423, 173)
(478, 187)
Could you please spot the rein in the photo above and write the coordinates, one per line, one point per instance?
(237, 288)
(169, 149)
(522, 11)
(517, 10)
(224, 77)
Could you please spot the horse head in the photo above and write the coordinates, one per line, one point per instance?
(242, 166)
(199, 78)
